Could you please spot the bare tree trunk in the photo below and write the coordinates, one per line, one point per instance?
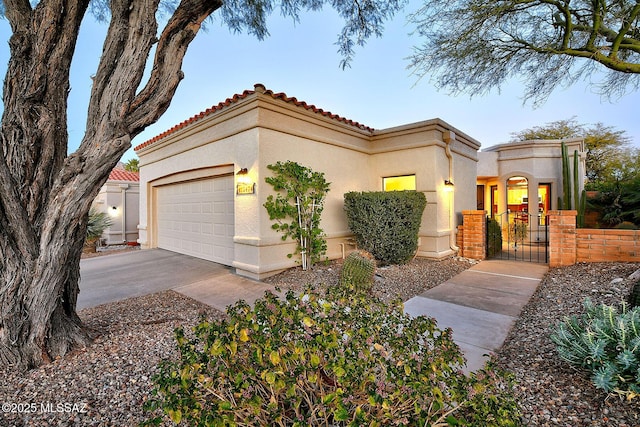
(44, 195)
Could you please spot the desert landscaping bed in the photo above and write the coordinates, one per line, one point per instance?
(106, 384)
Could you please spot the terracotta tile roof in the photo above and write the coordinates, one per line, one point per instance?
(238, 97)
(123, 175)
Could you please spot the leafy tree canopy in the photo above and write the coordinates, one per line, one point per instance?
(474, 46)
(132, 165)
(609, 155)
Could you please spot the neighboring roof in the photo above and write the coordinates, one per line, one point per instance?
(123, 175)
(258, 88)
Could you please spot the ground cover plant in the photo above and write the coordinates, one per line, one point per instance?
(605, 341)
(338, 359)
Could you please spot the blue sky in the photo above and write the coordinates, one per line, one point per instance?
(302, 61)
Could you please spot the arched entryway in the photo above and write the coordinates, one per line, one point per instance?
(520, 232)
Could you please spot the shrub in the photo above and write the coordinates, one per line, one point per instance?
(339, 360)
(494, 238)
(626, 225)
(97, 222)
(634, 296)
(297, 208)
(386, 224)
(606, 343)
(358, 271)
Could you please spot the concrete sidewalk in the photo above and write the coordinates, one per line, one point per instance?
(480, 305)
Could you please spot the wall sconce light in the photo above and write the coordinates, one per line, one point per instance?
(244, 184)
(448, 185)
(115, 208)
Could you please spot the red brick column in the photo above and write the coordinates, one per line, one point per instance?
(562, 238)
(474, 234)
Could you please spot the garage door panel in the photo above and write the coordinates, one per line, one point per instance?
(196, 218)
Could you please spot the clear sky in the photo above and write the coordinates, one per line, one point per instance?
(378, 90)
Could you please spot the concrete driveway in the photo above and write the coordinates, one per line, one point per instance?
(130, 274)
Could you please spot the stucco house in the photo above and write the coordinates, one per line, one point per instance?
(525, 177)
(119, 197)
(202, 182)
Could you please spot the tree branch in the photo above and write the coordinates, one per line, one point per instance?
(131, 35)
(181, 29)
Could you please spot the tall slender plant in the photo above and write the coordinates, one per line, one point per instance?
(297, 207)
(572, 200)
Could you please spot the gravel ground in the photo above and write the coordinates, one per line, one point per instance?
(106, 384)
(549, 391)
(391, 282)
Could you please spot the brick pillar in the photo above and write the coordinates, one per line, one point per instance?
(475, 234)
(562, 238)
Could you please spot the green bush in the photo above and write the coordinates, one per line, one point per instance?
(626, 225)
(341, 359)
(634, 296)
(358, 271)
(386, 224)
(606, 343)
(494, 238)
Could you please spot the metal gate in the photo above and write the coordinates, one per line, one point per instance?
(518, 236)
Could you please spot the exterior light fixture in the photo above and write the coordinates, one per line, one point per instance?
(115, 208)
(244, 184)
(448, 185)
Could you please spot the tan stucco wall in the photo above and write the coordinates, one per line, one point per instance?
(125, 197)
(261, 130)
(539, 161)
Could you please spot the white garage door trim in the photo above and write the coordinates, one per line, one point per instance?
(196, 218)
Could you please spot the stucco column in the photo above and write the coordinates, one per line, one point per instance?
(474, 234)
(562, 238)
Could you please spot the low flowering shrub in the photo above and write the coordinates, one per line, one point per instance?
(606, 343)
(341, 359)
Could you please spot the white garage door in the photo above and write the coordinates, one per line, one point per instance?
(196, 218)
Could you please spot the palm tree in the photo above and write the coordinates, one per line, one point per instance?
(98, 222)
(132, 165)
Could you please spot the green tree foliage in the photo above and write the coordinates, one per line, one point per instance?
(609, 157)
(132, 165)
(340, 359)
(604, 341)
(618, 202)
(474, 46)
(297, 208)
(386, 224)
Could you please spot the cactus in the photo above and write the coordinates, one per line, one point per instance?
(358, 270)
(634, 296)
(566, 178)
(572, 200)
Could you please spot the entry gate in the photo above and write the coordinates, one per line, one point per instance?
(518, 236)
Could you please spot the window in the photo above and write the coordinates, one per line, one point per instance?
(399, 183)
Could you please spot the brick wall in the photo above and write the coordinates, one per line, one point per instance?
(601, 245)
(562, 238)
(473, 237)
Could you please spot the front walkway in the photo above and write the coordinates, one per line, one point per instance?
(480, 305)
